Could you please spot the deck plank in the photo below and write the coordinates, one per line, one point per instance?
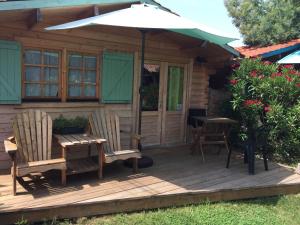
(166, 183)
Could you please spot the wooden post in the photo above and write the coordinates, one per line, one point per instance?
(64, 171)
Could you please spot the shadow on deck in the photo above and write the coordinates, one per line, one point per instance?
(177, 178)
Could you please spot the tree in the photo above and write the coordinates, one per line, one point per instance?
(265, 22)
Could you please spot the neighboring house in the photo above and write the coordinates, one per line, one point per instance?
(272, 53)
(73, 72)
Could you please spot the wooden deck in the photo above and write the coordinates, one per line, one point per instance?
(177, 178)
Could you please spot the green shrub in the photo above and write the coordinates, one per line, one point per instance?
(61, 122)
(265, 99)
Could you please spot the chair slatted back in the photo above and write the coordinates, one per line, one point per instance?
(33, 134)
(106, 124)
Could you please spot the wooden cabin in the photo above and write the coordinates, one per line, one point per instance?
(73, 72)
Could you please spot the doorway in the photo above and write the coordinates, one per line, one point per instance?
(163, 104)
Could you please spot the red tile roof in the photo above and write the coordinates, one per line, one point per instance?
(257, 51)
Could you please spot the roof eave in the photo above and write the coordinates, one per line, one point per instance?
(34, 4)
(280, 51)
(230, 49)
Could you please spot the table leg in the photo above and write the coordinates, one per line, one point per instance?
(14, 173)
(135, 165)
(251, 158)
(246, 154)
(64, 171)
(196, 140)
(89, 151)
(100, 160)
(265, 157)
(228, 158)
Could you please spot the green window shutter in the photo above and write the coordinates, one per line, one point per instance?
(117, 77)
(10, 72)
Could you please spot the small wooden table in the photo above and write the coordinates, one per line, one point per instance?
(214, 119)
(212, 131)
(249, 152)
(200, 120)
(81, 165)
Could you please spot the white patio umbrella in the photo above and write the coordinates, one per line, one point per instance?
(293, 58)
(147, 17)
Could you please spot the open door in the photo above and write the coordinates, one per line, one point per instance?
(152, 104)
(163, 105)
(174, 107)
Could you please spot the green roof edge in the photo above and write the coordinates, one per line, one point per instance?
(230, 49)
(34, 4)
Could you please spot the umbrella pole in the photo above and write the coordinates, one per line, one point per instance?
(143, 32)
(145, 161)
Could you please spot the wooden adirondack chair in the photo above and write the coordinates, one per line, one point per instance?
(106, 124)
(30, 148)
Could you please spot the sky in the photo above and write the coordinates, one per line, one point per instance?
(208, 12)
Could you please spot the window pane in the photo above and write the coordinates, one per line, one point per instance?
(150, 87)
(51, 90)
(90, 62)
(32, 57)
(90, 90)
(74, 90)
(33, 90)
(51, 74)
(75, 61)
(89, 77)
(51, 58)
(74, 76)
(175, 89)
(82, 76)
(32, 73)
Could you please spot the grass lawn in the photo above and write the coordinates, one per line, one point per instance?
(275, 210)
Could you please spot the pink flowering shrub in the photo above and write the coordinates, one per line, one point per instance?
(267, 96)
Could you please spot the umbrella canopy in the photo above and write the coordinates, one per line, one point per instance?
(293, 58)
(146, 16)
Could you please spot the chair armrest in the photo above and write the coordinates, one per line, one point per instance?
(10, 147)
(11, 138)
(101, 140)
(133, 135)
(137, 136)
(135, 140)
